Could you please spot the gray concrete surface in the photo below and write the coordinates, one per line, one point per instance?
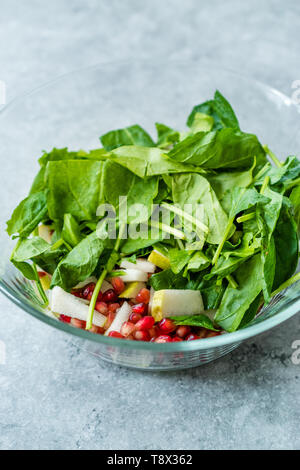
(53, 395)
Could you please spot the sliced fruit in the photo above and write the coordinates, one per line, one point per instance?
(45, 232)
(122, 316)
(131, 290)
(89, 280)
(67, 304)
(172, 302)
(159, 259)
(132, 275)
(141, 264)
(45, 281)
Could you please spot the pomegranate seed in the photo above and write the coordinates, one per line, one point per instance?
(78, 323)
(211, 334)
(101, 307)
(110, 318)
(166, 326)
(127, 328)
(94, 329)
(118, 284)
(142, 336)
(113, 307)
(130, 337)
(115, 334)
(154, 332)
(145, 323)
(140, 308)
(191, 337)
(176, 339)
(143, 296)
(77, 293)
(109, 296)
(65, 319)
(201, 333)
(88, 291)
(135, 317)
(182, 331)
(163, 339)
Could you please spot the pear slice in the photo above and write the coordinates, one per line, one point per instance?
(45, 281)
(132, 275)
(159, 259)
(141, 264)
(122, 315)
(67, 304)
(173, 302)
(132, 289)
(45, 233)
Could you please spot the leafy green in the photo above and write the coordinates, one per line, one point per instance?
(295, 200)
(236, 302)
(71, 230)
(167, 280)
(194, 320)
(166, 136)
(74, 187)
(227, 148)
(133, 135)
(29, 213)
(80, 263)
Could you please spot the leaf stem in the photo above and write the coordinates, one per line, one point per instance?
(40, 287)
(286, 284)
(246, 217)
(225, 236)
(232, 281)
(265, 184)
(261, 172)
(185, 215)
(272, 156)
(166, 228)
(102, 277)
(292, 184)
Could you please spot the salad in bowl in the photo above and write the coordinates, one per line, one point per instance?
(175, 238)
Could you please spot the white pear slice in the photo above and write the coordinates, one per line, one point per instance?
(67, 304)
(122, 315)
(45, 233)
(82, 284)
(174, 302)
(131, 290)
(141, 264)
(132, 275)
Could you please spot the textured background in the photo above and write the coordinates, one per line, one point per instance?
(53, 395)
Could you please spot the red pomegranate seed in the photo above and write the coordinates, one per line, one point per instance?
(78, 323)
(154, 332)
(135, 317)
(191, 337)
(88, 291)
(101, 307)
(113, 307)
(140, 308)
(118, 284)
(166, 326)
(211, 334)
(109, 296)
(77, 293)
(142, 335)
(201, 333)
(143, 296)
(65, 319)
(145, 323)
(163, 339)
(110, 318)
(127, 328)
(176, 339)
(115, 334)
(182, 331)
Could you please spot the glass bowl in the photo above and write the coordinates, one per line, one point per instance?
(73, 111)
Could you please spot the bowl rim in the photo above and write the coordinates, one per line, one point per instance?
(293, 306)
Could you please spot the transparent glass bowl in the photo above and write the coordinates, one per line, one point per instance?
(74, 110)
